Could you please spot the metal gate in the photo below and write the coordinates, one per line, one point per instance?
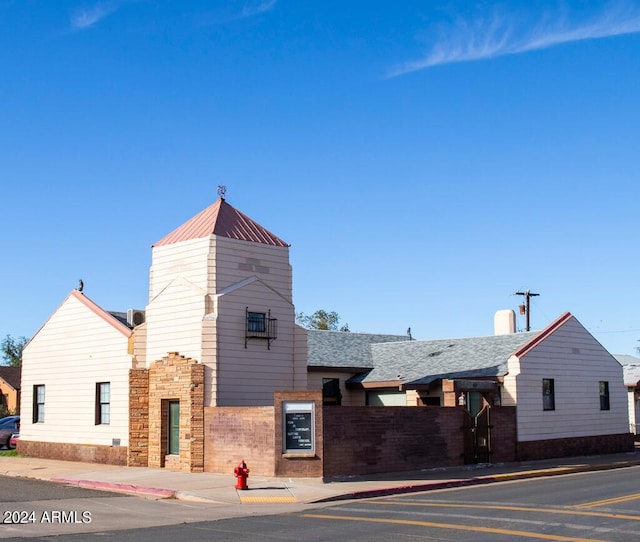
(477, 437)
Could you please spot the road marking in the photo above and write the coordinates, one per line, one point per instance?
(613, 500)
(569, 512)
(266, 500)
(452, 526)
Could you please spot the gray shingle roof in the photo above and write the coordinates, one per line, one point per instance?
(624, 359)
(631, 375)
(339, 349)
(421, 362)
(630, 368)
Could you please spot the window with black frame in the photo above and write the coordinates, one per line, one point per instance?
(103, 403)
(604, 396)
(256, 322)
(38, 403)
(548, 394)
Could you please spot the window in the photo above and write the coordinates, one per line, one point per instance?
(173, 423)
(256, 322)
(331, 394)
(38, 403)
(548, 394)
(103, 403)
(260, 325)
(604, 395)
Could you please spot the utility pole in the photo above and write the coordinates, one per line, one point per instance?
(526, 308)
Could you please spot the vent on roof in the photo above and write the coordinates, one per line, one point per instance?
(434, 354)
(135, 317)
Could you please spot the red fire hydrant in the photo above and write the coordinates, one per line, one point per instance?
(241, 472)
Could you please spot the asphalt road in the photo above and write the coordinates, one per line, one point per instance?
(597, 506)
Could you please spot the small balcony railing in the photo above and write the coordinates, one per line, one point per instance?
(260, 325)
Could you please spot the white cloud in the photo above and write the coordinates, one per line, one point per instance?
(88, 17)
(255, 8)
(483, 39)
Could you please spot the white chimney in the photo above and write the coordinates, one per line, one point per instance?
(504, 322)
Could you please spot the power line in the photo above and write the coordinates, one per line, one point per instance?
(526, 308)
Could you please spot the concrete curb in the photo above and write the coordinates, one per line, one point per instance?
(480, 480)
(119, 487)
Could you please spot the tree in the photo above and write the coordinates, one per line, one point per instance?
(321, 319)
(11, 350)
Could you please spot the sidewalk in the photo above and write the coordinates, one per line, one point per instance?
(220, 488)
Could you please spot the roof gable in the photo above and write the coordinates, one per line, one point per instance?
(542, 335)
(224, 220)
(93, 307)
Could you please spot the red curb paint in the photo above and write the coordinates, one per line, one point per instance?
(115, 486)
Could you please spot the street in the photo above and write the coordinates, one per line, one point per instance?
(590, 506)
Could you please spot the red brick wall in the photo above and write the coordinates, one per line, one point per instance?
(368, 440)
(232, 434)
(295, 465)
(504, 434)
(575, 446)
(88, 453)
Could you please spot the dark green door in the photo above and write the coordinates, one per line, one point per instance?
(174, 428)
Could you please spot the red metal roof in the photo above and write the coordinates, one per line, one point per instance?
(224, 220)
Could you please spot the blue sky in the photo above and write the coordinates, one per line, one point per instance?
(424, 159)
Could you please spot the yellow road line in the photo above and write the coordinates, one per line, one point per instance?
(451, 526)
(266, 500)
(613, 500)
(565, 511)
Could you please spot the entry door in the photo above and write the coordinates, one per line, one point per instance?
(173, 446)
(477, 437)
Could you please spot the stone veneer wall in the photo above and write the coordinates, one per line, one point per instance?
(87, 453)
(575, 446)
(138, 455)
(173, 378)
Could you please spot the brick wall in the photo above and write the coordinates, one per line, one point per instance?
(232, 434)
(575, 446)
(504, 434)
(88, 453)
(306, 465)
(368, 440)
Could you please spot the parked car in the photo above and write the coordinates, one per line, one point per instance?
(13, 441)
(8, 426)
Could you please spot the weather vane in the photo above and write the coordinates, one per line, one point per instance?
(222, 190)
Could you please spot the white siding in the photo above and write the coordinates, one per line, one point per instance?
(249, 376)
(197, 307)
(231, 261)
(300, 354)
(73, 351)
(577, 363)
(174, 321)
(187, 259)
